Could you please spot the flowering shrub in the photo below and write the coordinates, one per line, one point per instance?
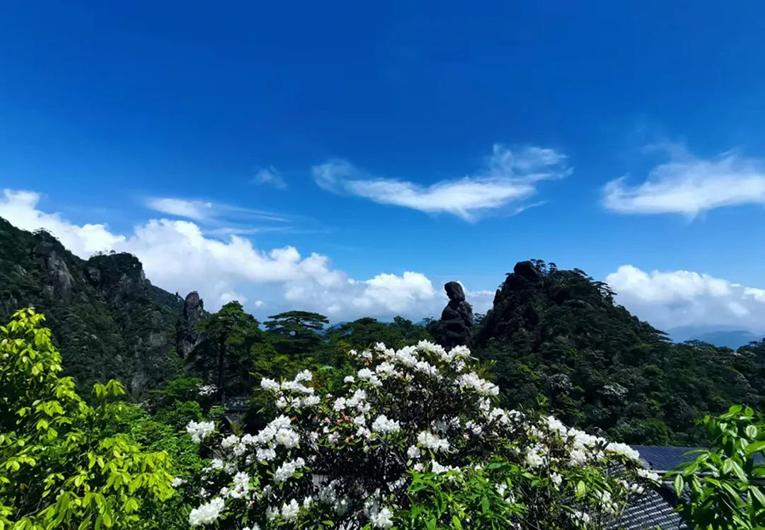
(412, 440)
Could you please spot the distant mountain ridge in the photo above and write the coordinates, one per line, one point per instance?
(724, 337)
(108, 320)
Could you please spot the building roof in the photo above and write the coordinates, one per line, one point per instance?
(661, 459)
(655, 509)
(664, 458)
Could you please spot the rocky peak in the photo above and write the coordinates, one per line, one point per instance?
(187, 336)
(118, 276)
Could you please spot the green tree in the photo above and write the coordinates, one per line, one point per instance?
(63, 463)
(224, 353)
(295, 332)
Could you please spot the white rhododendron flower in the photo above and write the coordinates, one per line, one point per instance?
(382, 518)
(287, 469)
(290, 510)
(200, 431)
(348, 459)
(269, 384)
(384, 425)
(207, 513)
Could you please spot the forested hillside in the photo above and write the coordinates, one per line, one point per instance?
(555, 338)
(107, 319)
(559, 334)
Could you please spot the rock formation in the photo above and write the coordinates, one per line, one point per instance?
(187, 336)
(107, 319)
(456, 325)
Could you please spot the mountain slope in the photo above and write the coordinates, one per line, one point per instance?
(558, 334)
(107, 319)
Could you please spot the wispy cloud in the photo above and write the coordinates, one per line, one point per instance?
(271, 177)
(199, 210)
(508, 178)
(689, 185)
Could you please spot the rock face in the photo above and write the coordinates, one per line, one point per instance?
(59, 280)
(107, 319)
(187, 336)
(456, 325)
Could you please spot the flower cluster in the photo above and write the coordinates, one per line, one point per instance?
(200, 430)
(348, 457)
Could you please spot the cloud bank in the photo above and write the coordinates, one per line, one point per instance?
(688, 185)
(179, 257)
(684, 298)
(509, 178)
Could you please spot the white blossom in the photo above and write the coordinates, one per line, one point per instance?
(269, 384)
(382, 518)
(483, 387)
(206, 513)
(433, 442)
(287, 470)
(200, 430)
(265, 454)
(241, 485)
(384, 425)
(290, 510)
(305, 375)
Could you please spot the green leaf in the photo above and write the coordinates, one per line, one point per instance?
(679, 484)
(755, 447)
(581, 489)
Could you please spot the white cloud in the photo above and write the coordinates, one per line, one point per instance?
(178, 256)
(688, 185)
(481, 301)
(19, 207)
(684, 298)
(271, 177)
(509, 178)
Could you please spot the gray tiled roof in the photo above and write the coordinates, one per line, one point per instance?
(650, 511)
(664, 458)
(655, 509)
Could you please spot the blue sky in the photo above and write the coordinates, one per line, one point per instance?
(447, 140)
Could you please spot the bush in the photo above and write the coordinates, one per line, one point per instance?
(414, 440)
(63, 464)
(723, 483)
